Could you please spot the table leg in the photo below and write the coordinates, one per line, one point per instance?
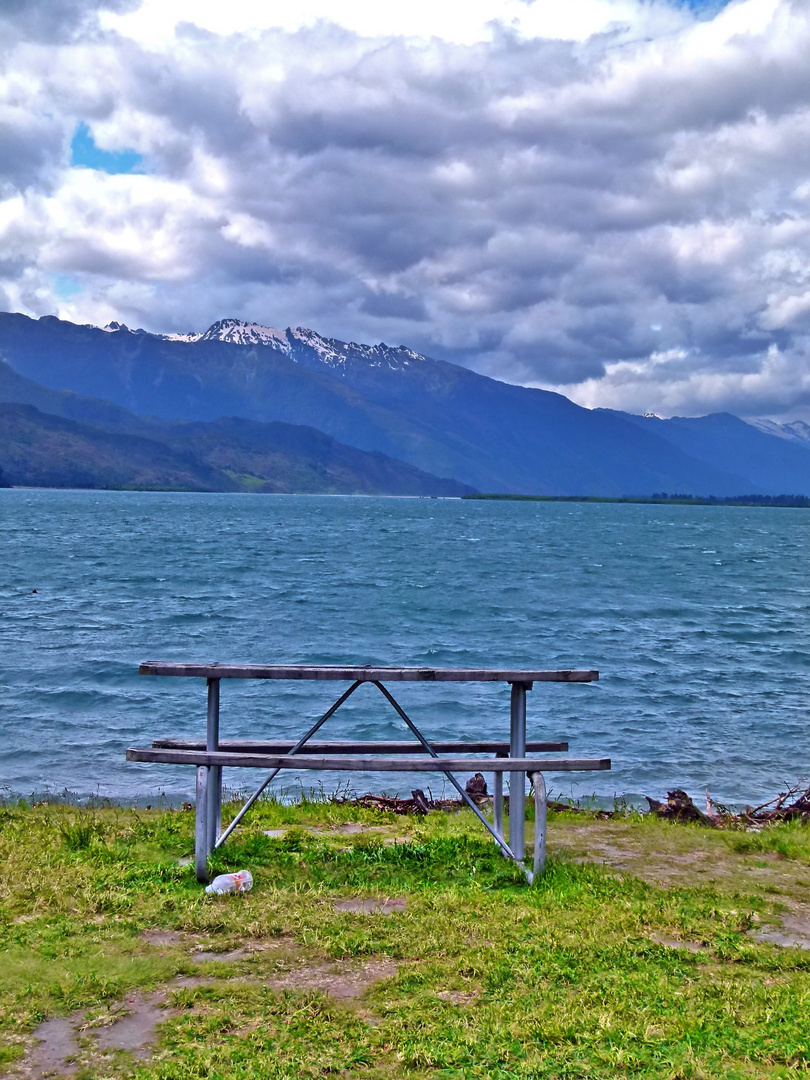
(517, 780)
(497, 805)
(201, 846)
(214, 801)
(540, 798)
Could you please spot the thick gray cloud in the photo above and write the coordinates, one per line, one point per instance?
(626, 218)
(54, 20)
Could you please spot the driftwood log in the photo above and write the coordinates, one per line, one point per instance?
(678, 807)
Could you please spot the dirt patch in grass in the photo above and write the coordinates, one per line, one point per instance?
(794, 931)
(56, 1049)
(383, 833)
(458, 997)
(130, 1025)
(162, 938)
(341, 979)
(192, 982)
(244, 950)
(676, 855)
(168, 939)
(353, 828)
(372, 906)
(679, 943)
(135, 1030)
(206, 957)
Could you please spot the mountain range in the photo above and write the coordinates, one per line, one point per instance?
(55, 438)
(254, 408)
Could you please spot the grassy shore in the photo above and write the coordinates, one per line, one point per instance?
(382, 947)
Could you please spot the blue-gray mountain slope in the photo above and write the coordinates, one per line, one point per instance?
(443, 419)
(773, 465)
(47, 441)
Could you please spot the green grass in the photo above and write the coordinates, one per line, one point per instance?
(494, 980)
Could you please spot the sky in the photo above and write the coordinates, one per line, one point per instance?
(607, 198)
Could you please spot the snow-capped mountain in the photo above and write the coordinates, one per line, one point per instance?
(795, 431)
(235, 332)
(441, 418)
(329, 351)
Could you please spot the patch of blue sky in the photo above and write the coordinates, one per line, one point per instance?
(703, 8)
(85, 154)
(65, 286)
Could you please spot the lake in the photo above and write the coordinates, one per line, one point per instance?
(697, 618)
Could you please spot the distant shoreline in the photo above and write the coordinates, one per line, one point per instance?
(801, 502)
(795, 501)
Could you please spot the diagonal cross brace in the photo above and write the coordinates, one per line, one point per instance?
(413, 728)
(389, 697)
(304, 739)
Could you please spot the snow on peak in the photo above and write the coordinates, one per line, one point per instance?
(235, 332)
(800, 429)
(243, 333)
(190, 336)
(794, 431)
(301, 345)
(336, 353)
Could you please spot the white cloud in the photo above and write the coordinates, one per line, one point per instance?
(609, 197)
(777, 381)
(576, 20)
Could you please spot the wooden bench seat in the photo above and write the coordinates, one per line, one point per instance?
(534, 767)
(234, 759)
(283, 746)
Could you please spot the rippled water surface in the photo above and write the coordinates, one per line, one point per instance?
(696, 617)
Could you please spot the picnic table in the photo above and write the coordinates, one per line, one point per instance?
(213, 754)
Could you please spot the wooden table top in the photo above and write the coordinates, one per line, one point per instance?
(336, 672)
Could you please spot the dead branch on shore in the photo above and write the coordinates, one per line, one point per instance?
(419, 803)
(790, 805)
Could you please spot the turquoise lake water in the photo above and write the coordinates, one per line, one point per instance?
(698, 619)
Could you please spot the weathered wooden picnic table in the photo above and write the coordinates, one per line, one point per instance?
(212, 755)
